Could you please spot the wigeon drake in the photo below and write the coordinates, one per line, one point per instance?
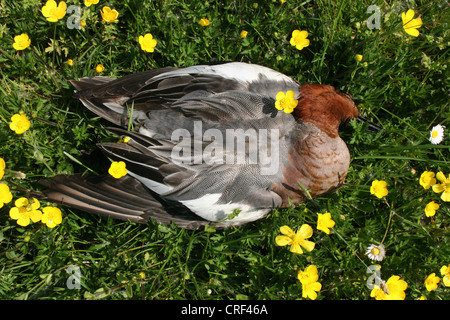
(209, 146)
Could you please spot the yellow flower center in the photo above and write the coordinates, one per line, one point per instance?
(297, 239)
(299, 39)
(375, 251)
(285, 103)
(20, 125)
(434, 134)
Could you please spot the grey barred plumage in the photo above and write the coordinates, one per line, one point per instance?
(199, 185)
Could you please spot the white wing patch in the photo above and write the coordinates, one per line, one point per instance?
(242, 72)
(207, 208)
(157, 187)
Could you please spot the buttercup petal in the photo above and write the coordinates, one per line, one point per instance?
(21, 202)
(415, 23)
(304, 34)
(287, 231)
(290, 94)
(443, 269)
(288, 110)
(312, 269)
(445, 196)
(438, 188)
(280, 95)
(408, 16)
(14, 213)
(308, 245)
(23, 221)
(306, 231)
(283, 241)
(295, 33)
(295, 248)
(35, 204)
(413, 32)
(36, 215)
(441, 176)
(316, 286)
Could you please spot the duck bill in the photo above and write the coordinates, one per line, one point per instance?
(373, 127)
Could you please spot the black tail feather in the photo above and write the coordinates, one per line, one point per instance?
(124, 199)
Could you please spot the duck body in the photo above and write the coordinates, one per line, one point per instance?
(208, 146)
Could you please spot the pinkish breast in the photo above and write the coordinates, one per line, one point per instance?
(317, 162)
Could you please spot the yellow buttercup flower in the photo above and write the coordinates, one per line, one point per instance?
(25, 210)
(109, 15)
(299, 39)
(70, 62)
(445, 273)
(117, 169)
(20, 123)
(310, 290)
(54, 12)
(309, 275)
(431, 282)
(443, 187)
(51, 216)
(393, 289)
(21, 42)
(2, 168)
(286, 101)
(244, 34)
(427, 179)
(378, 293)
(430, 209)
(324, 222)
(124, 140)
(204, 22)
(89, 3)
(99, 68)
(308, 279)
(379, 189)
(410, 24)
(147, 42)
(296, 240)
(5, 195)
(358, 57)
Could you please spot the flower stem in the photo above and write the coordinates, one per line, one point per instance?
(391, 214)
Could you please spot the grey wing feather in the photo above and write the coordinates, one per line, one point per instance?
(160, 102)
(124, 199)
(190, 176)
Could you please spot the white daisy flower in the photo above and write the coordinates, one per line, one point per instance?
(437, 134)
(376, 252)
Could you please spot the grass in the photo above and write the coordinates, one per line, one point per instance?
(402, 83)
